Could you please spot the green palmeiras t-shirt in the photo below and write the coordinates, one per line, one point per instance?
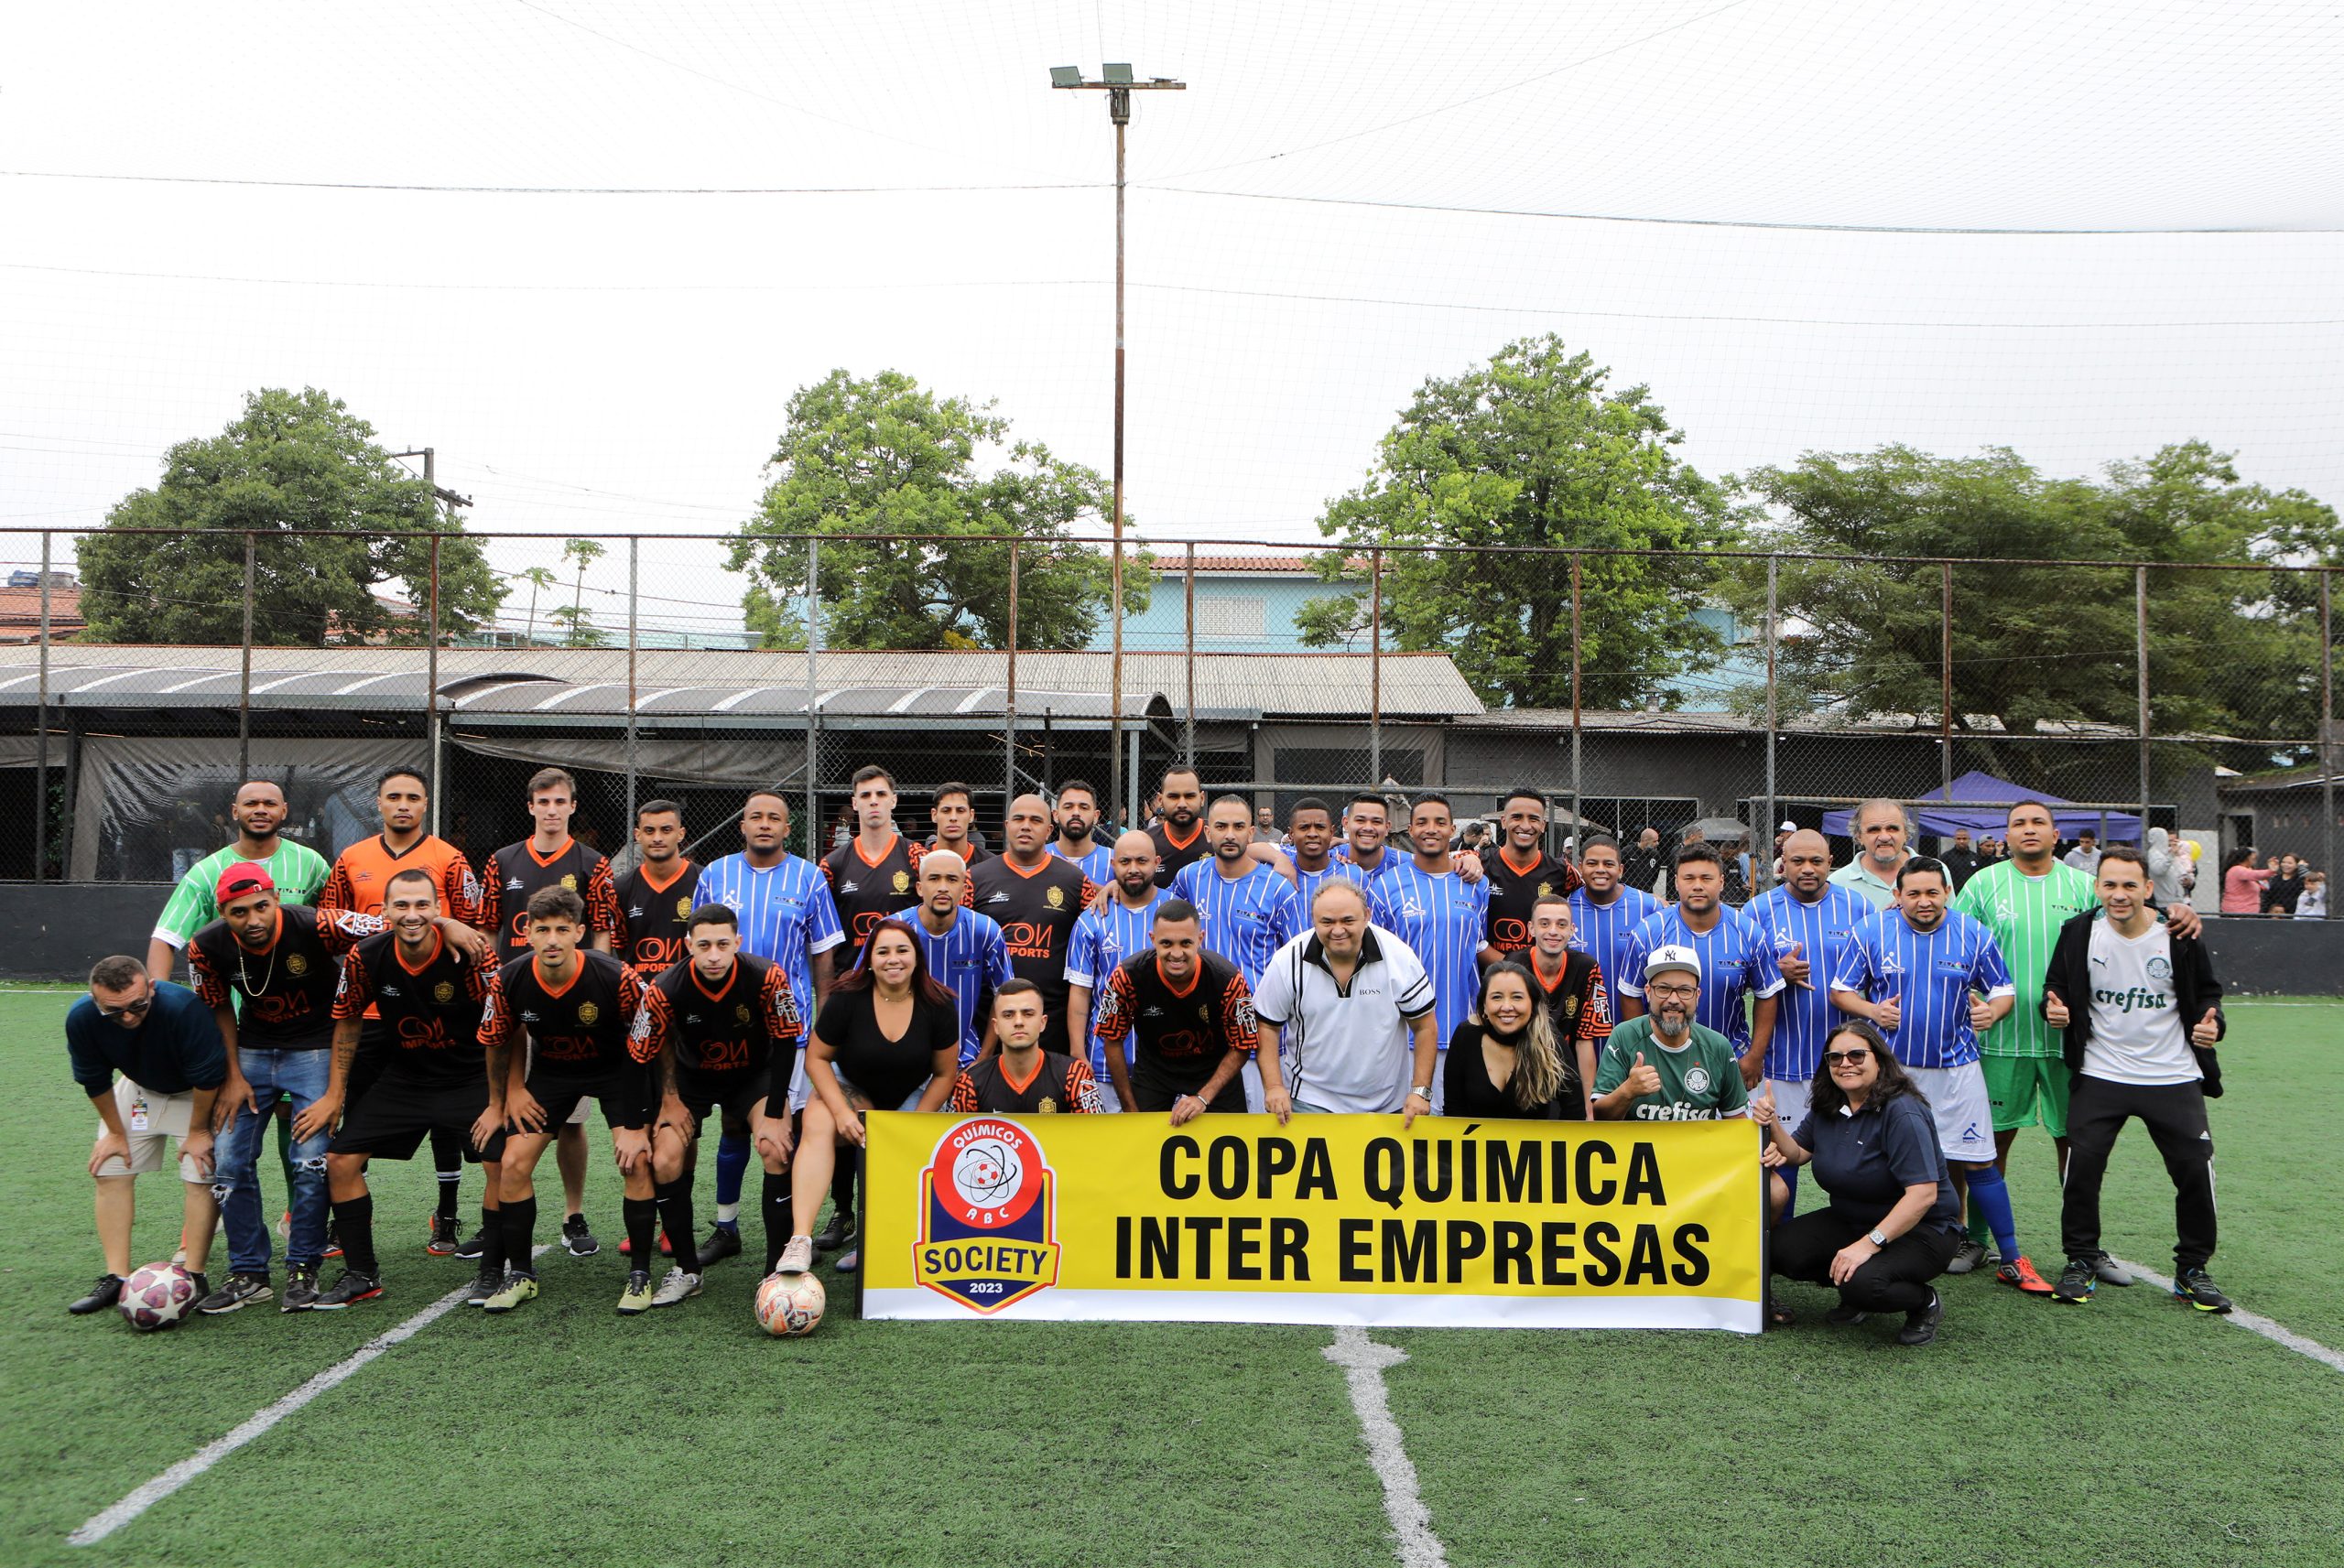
(1699, 1081)
(298, 871)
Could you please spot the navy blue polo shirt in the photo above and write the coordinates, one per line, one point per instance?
(177, 1048)
(1865, 1161)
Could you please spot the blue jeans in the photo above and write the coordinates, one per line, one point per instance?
(298, 1077)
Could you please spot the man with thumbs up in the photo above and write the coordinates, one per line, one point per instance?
(1661, 1066)
(2141, 1011)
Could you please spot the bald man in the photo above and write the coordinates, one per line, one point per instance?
(1113, 929)
(1035, 897)
(1807, 919)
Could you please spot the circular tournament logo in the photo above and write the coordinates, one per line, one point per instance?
(684, 907)
(588, 1012)
(1697, 1080)
(444, 992)
(569, 880)
(995, 1173)
(902, 882)
(295, 965)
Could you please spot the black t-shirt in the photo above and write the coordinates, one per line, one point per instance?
(430, 1012)
(1514, 890)
(1059, 1083)
(288, 987)
(651, 918)
(1035, 911)
(888, 1071)
(1177, 1036)
(1468, 1091)
(516, 871)
(1171, 854)
(868, 890)
(580, 1028)
(748, 1026)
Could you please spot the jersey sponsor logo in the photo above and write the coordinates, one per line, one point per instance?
(569, 880)
(424, 1034)
(903, 882)
(442, 993)
(1055, 898)
(297, 965)
(684, 907)
(2126, 1001)
(588, 1013)
(988, 1216)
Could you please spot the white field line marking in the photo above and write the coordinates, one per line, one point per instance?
(2254, 1322)
(1363, 1361)
(99, 1526)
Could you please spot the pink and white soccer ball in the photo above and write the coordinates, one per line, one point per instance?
(789, 1304)
(157, 1296)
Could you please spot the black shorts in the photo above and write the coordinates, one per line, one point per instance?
(367, 1065)
(737, 1095)
(1150, 1093)
(620, 1100)
(400, 1113)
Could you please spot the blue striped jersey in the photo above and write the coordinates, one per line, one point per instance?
(1443, 918)
(970, 961)
(786, 910)
(1098, 863)
(1244, 920)
(1602, 930)
(1103, 938)
(1391, 858)
(1737, 962)
(1931, 974)
(1805, 1016)
(1307, 883)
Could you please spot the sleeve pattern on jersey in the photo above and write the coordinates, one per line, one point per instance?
(336, 893)
(208, 985)
(1240, 1030)
(602, 902)
(1082, 1090)
(964, 1094)
(783, 1021)
(356, 991)
(489, 906)
(497, 1020)
(1117, 1008)
(1595, 1011)
(649, 1030)
(342, 929)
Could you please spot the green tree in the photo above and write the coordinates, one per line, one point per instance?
(885, 456)
(1532, 451)
(539, 578)
(290, 463)
(578, 630)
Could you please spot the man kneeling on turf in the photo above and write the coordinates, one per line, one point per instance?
(579, 1006)
(1021, 1078)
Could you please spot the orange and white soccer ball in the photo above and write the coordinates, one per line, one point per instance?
(789, 1304)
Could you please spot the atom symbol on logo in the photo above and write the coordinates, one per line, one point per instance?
(987, 1173)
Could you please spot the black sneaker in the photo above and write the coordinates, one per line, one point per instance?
(1845, 1316)
(443, 1242)
(576, 1239)
(473, 1245)
(242, 1290)
(300, 1289)
(351, 1289)
(848, 1261)
(834, 1235)
(332, 1248)
(723, 1242)
(2077, 1282)
(2197, 1288)
(1967, 1258)
(1921, 1322)
(104, 1294)
(485, 1283)
(203, 1285)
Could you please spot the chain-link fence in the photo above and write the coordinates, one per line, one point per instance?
(1730, 694)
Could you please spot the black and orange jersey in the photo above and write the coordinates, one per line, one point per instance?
(868, 889)
(1171, 853)
(518, 870)
(1514, 889)
(289, 986)
(1036, 910)
(1056, 1082)
(580, 1027)
(972, 857)
(651, 916)
(750, 1023)
(361, 873)
(1177, 1034)
(431, 1009)
(1575, 1000)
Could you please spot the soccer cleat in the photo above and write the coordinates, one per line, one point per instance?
(443, 1242)
(241, 1290)
(1967, 1258)
(576, 1239)
(676, 1289)
(473, 1245)
(485, 1283)
(2022, 1276)
(834, 1235)
(2197, 1288)
(517, 1287)
(2111, 1272)
(723, 1242)
(636, 1297)
(351, 1289)
(846, 1262)
(1845, 1316)
(2078, 1280)
(798, 1257)
(300, 1289)
(1921, 1322)
(101, 1295)
(667, 1245)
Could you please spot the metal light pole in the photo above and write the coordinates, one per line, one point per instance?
(1117, 83)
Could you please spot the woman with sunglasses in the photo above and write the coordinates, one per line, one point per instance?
(1892, 1224)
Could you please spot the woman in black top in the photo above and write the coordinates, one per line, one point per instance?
(1504, 1061)
(2283, 892)
(887, 1028)
(1894, 1223)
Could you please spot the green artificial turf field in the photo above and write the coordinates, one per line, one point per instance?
(2132, 1431)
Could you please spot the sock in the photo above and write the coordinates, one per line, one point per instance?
(353, 1222)
(732, 1165)
(1990, 1197)
(448, 1159)
(1980, 1231)
(779, 1217)
(842, 1186)
(642, 1228)
(492, 1243)
(675, 1202)
(519, 1224)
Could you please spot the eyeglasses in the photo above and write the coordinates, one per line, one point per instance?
(128, 1008)
(1677, 991)
(1855, 1058)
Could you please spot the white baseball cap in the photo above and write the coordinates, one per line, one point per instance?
(1788, 826)
(1675, 957)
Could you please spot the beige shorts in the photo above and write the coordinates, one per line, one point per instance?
(149, 1120)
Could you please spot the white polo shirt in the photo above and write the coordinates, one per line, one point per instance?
(1345, 1049)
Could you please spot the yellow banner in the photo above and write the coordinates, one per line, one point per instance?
(1335, 1219)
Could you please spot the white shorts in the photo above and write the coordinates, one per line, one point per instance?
(1963, 1109)
(1793, 1098)
(149, 1120)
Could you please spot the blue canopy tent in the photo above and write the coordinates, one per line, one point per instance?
(1980, 802)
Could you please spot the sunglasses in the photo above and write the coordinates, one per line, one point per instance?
(1855, 1058)
(128, 1008)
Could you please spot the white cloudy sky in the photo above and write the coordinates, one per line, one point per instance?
(1349, 198)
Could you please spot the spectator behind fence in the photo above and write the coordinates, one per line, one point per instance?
(2243, 883)
(1960, 860)
(1640, 868)
(1881, 832)
(2085, 856)
(2171, 873)
(2280, 894)
(2313, 906)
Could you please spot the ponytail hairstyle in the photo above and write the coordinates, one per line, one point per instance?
(1538, 1056)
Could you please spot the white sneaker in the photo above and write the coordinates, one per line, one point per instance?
(798, 1257)
(676, 1289)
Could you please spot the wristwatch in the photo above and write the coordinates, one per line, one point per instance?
(1877, 1239)
(1424, 1095)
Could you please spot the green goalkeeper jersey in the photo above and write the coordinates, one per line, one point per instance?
(298, 871)
(2025, 914)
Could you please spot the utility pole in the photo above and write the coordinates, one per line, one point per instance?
(449, 499)
(1117, 81)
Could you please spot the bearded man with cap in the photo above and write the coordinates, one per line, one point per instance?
(1661, 1066)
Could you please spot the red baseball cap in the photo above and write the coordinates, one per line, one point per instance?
(242, 881)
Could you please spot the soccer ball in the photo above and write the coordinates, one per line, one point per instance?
(789, 1304)
(157, 1296)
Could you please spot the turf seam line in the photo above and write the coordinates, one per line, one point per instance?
(100, 1524)
(2253, 1321)
(1363, 1361)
